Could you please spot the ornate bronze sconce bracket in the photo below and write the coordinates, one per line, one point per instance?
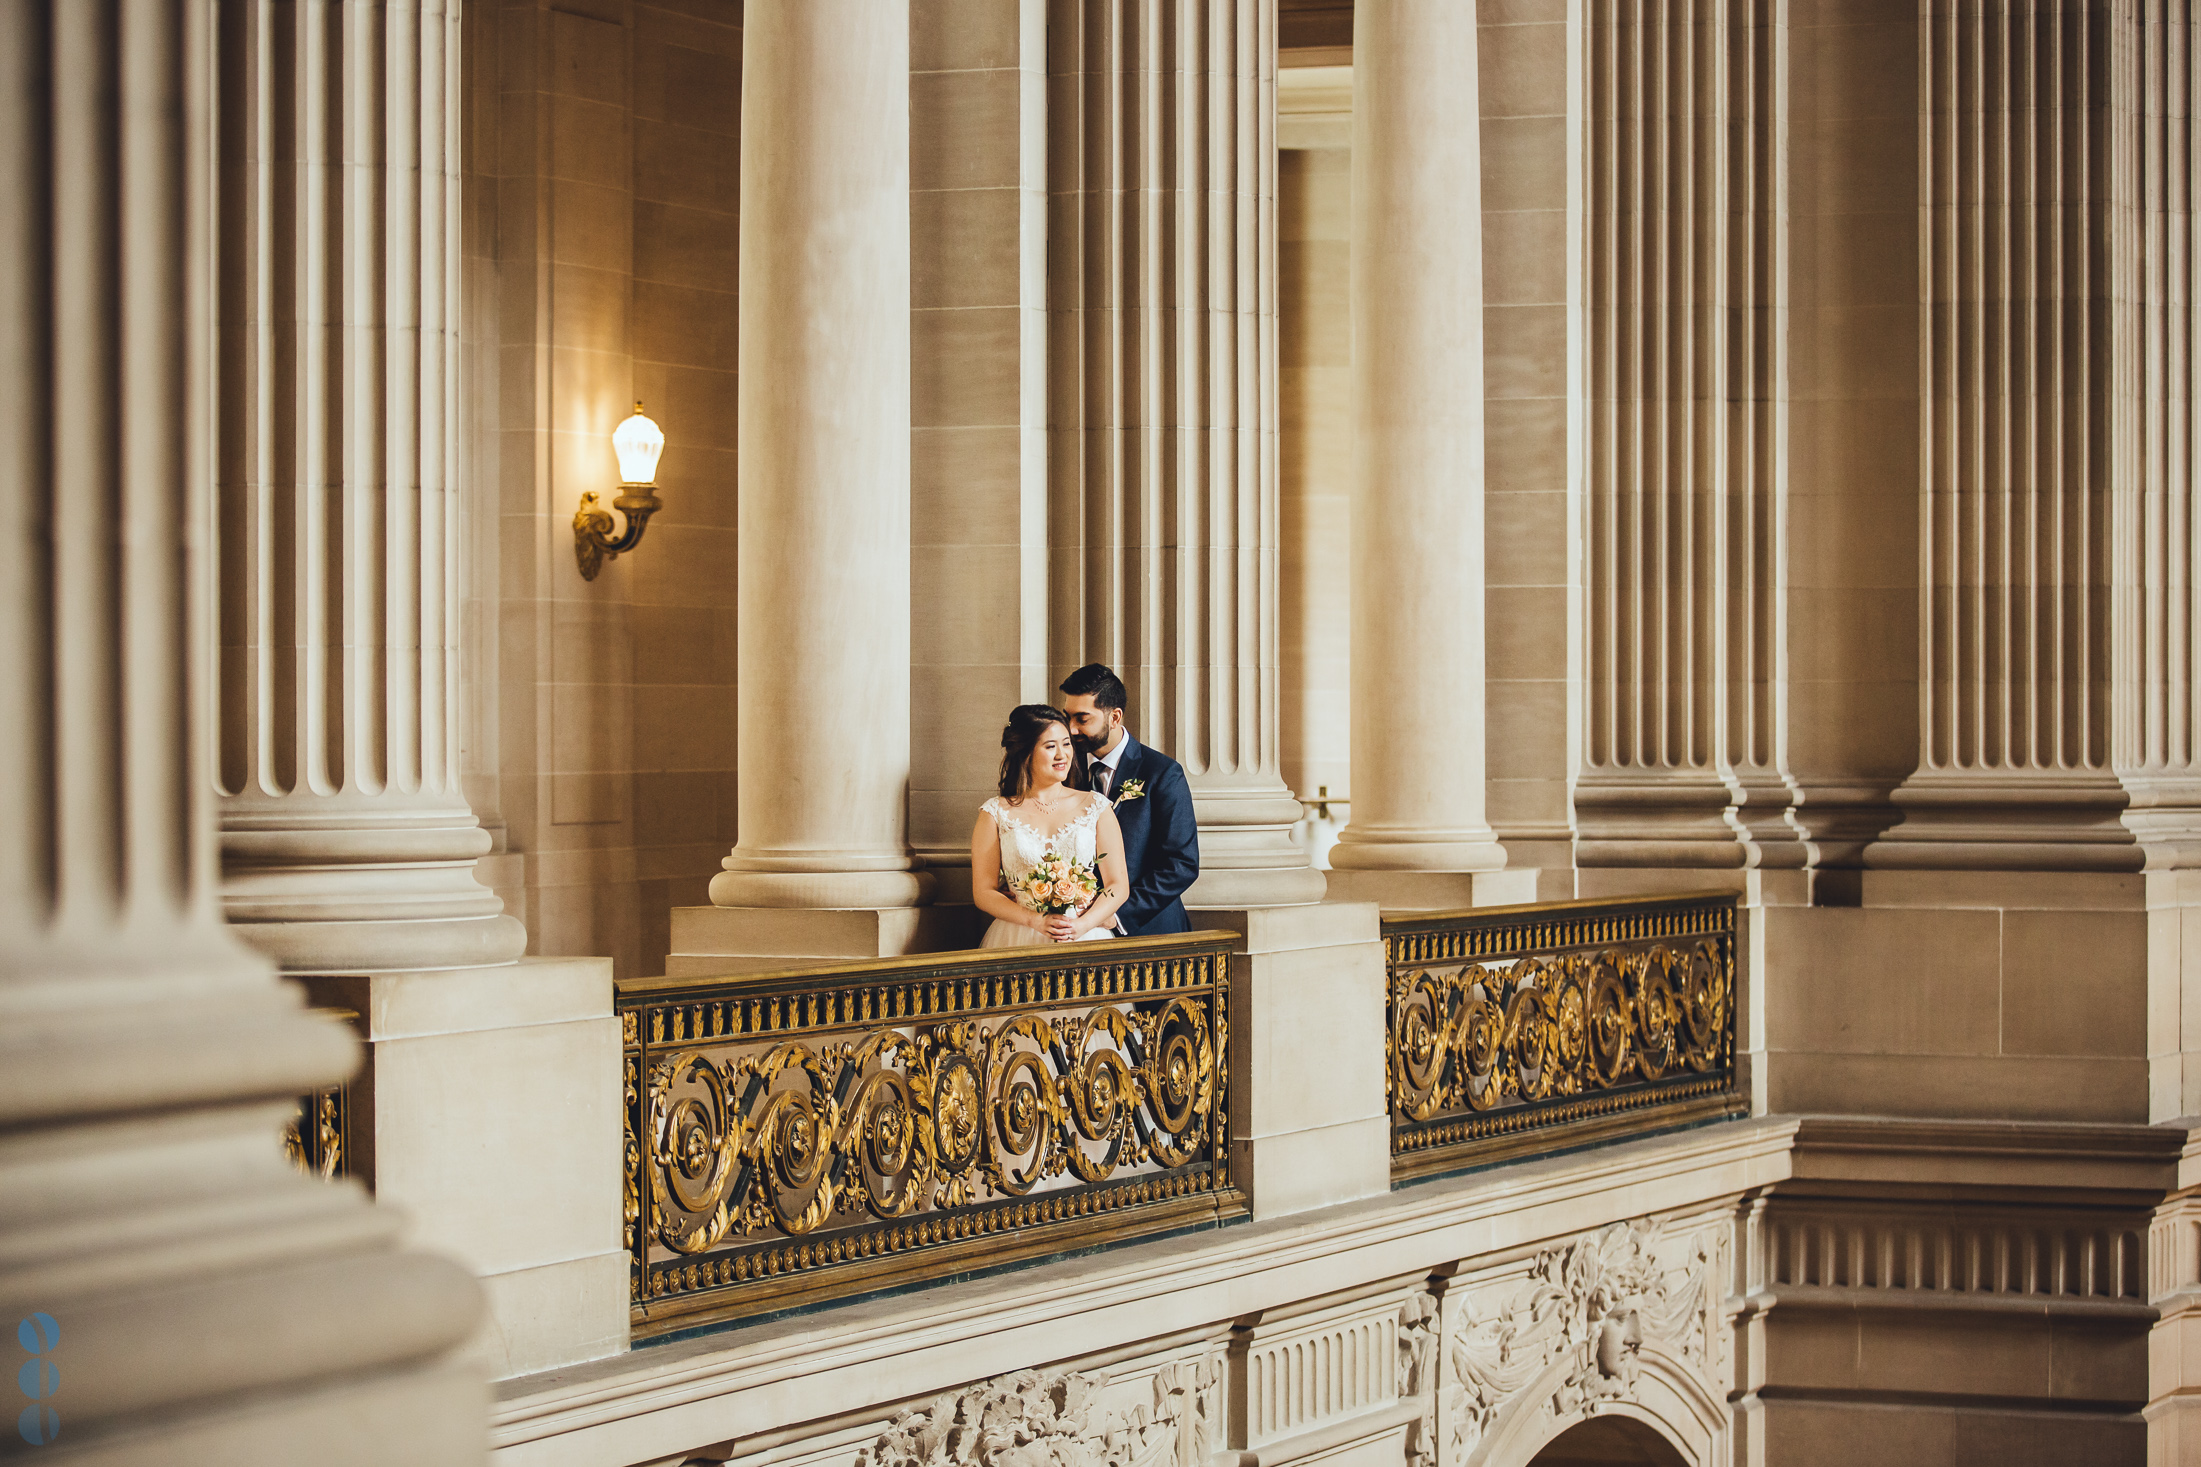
(593, 541)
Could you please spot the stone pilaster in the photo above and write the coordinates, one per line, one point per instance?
(978, 408)
(146, 1058)
(1683, 760)
(1162, 369)
(1417, 510)
(347, 842)
(825, 459)
(2029, 434)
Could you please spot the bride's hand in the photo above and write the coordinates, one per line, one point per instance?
(1062, 928)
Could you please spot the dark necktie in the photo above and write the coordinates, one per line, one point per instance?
(1100, 777)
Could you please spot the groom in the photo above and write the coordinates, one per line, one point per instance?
(1153, 803)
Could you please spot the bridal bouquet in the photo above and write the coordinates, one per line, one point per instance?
(1057, 885)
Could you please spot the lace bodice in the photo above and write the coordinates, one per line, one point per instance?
(1022, 845)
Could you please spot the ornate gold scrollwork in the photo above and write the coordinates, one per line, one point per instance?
(1478, 1026)
(789, 1139)
(775, 1133)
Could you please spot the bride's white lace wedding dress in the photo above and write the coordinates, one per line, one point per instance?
(1022, 846)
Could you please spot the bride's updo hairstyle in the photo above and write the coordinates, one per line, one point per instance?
(1027, 726)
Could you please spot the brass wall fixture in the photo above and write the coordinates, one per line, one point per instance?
(807, 1135)
(1514, 1030)
(638, 441)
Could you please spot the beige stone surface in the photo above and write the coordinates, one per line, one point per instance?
(347, 839)
(603, 210)
(825, 564)
(978, 474)
(1533, 378)
(1715, 530)
(209, 1304)
(1417, 377)
(1308, 1116)
(1162, 514)
(810, 1387)
(709, 940)
(1314, 437)
(1954, 1004)
(490, 1112)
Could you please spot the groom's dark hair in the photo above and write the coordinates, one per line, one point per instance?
(1095, 681)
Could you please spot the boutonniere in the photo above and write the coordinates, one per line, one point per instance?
(1132, 789)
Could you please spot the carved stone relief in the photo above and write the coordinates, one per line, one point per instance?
(1585, 1310)
(1419, 1338)
(1056, 1419)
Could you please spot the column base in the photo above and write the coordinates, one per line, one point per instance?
(2009, 821)
(1443, 891)
(1310, 1125)
(351, 890)
(822, 890)
(1247, 855)
(1361, 847)
(710, 941)
(1266, 886)
(305, 948)
(1658, 818)
(490, 1108)
(1784, 887)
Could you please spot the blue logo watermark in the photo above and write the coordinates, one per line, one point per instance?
(40, 1377)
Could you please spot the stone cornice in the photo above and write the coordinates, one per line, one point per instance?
(767, 1374)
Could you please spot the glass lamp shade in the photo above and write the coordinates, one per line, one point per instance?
(638, 442)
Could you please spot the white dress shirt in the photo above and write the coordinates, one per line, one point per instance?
(1102, 767)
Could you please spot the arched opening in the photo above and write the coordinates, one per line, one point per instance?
(1609, 1441)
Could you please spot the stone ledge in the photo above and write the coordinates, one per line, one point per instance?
(2131, 1164)
(416, 1005)
(737, 1383)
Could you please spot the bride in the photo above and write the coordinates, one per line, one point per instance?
(1038, 814)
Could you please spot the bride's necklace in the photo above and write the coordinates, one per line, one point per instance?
(1039, 803)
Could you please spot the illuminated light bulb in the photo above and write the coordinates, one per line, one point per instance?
(638, 442)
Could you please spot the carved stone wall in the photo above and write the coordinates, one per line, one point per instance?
(1478, 1363)
(1629, 1318)
(1063, 1418)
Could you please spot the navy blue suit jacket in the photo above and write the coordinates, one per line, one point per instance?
(1161, 840)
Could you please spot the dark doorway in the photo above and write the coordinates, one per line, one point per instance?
(1609, 1441)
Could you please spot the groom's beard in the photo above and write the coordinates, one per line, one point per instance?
(1085, 746)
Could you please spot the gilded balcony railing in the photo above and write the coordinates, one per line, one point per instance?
(1523, 1029)
(316, 1138)
(805, 1135)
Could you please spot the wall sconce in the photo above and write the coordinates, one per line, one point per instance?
(638, 442)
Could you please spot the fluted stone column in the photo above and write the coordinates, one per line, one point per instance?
(1685, 509)
(1163, 420)
(347, 842)
(214, 1306)
(825, 460)
(2046, 455)
(1417, 512)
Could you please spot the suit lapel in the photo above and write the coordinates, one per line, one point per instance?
(1125, 769)
(1131, 815)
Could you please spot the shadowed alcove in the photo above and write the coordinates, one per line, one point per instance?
(1609, 1441)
